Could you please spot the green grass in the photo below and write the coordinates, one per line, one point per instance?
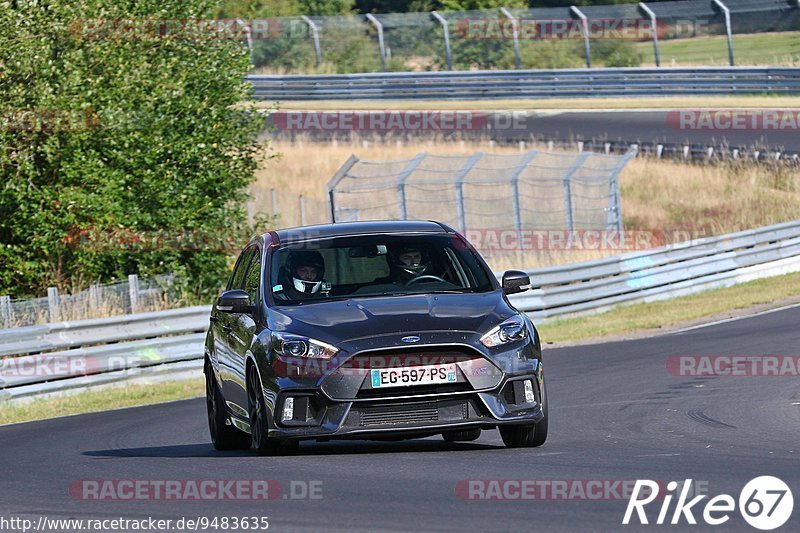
(772, 49)
(667, 313)
(101, 400)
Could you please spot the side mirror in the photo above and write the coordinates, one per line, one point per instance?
(515, 281)
(234, 301)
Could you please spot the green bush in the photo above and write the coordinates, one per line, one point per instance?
(140, 134)
(615, 53)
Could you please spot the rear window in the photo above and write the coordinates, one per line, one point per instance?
(374, 265)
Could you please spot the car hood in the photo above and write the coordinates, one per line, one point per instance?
(361, 318)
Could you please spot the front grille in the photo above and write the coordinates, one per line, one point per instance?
(396, 414)
(418, 390)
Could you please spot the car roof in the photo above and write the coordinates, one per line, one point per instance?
(341, 229)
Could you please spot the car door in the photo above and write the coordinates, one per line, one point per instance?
(244, 329)
(223, 326)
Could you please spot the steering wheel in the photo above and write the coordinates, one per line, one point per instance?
(415, 280)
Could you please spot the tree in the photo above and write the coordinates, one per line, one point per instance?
(118, 118)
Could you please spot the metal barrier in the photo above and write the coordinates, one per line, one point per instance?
(529, 83)
(170, 343)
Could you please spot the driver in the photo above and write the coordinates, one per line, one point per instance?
(303, 275)
(409, 262)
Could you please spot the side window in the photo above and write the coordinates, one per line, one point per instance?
(252, 281)
(237, 278)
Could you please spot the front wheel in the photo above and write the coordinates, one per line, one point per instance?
(224, 436)
(259, 423)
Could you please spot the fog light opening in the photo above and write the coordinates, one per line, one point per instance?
(529, 397)
(288, 409)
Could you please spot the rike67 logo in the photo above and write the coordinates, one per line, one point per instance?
(765, 503)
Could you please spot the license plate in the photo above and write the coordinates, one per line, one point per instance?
(413, 375)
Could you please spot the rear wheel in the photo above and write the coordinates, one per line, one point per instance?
(223, 435)
(463, 435)
(259, 423)
(530, 435)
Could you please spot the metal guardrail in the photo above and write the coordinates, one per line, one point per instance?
(529, 83)
(73, 355)
(664, 272)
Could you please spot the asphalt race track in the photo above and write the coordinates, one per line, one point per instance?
(654, 126)
(617, 414)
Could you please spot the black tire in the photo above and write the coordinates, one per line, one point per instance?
(462, 435)
(223, 436)
(259, 422)
(530, 435)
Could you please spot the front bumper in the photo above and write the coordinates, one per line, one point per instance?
(321, 418)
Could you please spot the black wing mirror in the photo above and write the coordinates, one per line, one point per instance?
(515, 281)
(234, 301)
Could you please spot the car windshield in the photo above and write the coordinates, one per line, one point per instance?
(374, 265)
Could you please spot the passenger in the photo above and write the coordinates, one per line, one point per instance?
(302, 276)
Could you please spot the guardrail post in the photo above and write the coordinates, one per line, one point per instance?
(654, 22)
(314, 36)
(133, 291)
(302, 211)
(447, 51)
(521, 166)
(459, 181)
(378, 26)
(514, 34)
(54, 304)
(727, 14)
(334, 181)
(585, 31)
(401, 184)
(5, 311)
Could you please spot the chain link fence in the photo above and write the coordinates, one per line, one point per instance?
(533, 190)
(557, 37)
(99, 300)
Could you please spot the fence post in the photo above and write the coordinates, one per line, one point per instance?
(302, 211)
(133, 290)
(5, 311)
(459, 181)
(616, 204)
(514, 34)
(401, 184)
(315, 36)
(727, 14)
(378, 26)
(654, 22)
(448, 53)
(54, 303)
(334, 181)
(94, 295)
(521, 166)
(567, 183)
(274, 195)
(249, 34)
(585, 31)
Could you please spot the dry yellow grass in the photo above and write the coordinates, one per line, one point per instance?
(693, 200)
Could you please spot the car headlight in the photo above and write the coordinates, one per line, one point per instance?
(298, 346)
(512, 330)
